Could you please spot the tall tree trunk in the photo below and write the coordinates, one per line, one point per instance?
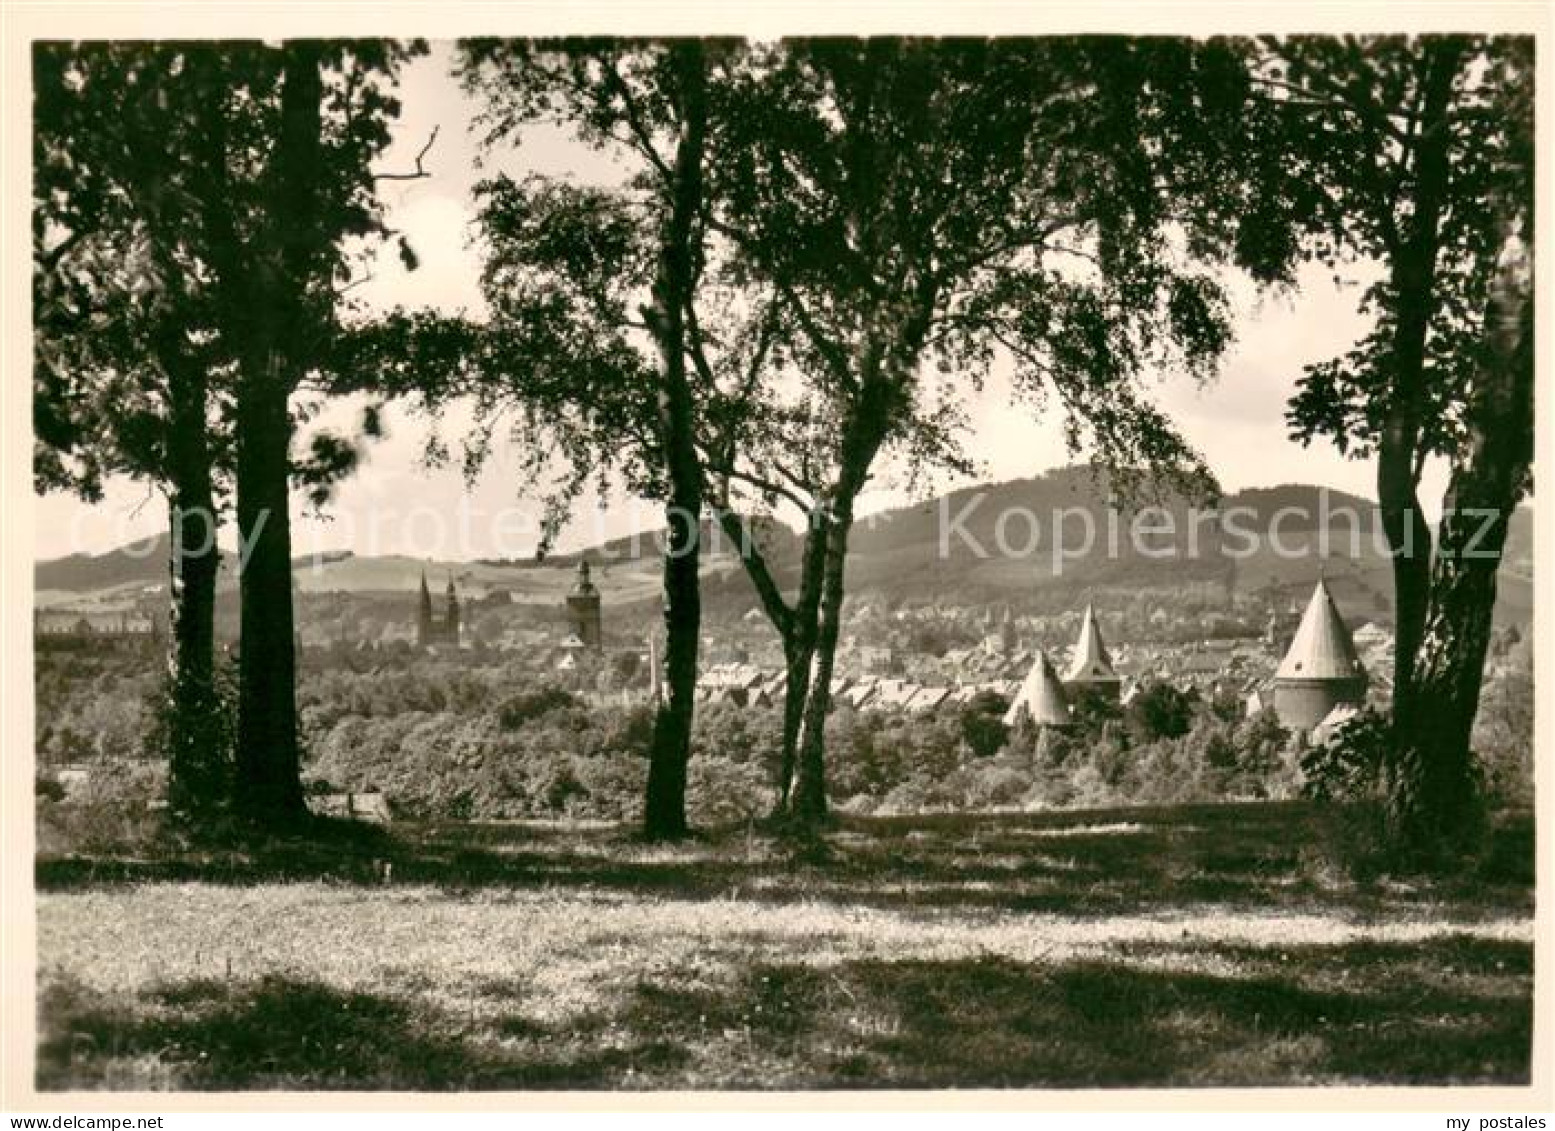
(1399, 458)
(1432, 780)
(862, 439)
(664, 809)
(269, 787)
(807, 803)
(197, 773)
(796, 626)
(884, 366)
(797, 659)
(268, 760)
(1409, 541)
(799, 654)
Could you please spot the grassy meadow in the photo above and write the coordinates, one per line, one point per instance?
(1179, 947)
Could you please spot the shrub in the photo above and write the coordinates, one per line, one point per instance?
(720, 791)
(210, 736)
(531, 705)
(1160, 710)
(563, 788)
(631, 732)
(77, 828)
(992, 786)
(1349, 766)
(1503, 729)
(982, 723)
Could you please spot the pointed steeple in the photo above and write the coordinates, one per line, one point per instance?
(1007, 638)
(1041, 698)
(583, 609)
(1091, 662)
(1322, 648)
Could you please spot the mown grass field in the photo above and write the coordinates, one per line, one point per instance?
(1148, 947)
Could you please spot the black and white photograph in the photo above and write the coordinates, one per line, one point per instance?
(777, 562)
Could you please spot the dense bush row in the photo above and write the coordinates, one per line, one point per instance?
(449, 741)
(1189, 751)
(93, 706)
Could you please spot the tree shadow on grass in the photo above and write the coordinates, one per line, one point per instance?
(996, 1023)
(1449, 1010)
(1076, 863)
(281, 1033)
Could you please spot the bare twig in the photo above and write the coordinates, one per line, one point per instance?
(420, 172)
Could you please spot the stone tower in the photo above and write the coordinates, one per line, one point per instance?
(1091, 671)
(583, 610)
(1041, 699)
(1320, 670)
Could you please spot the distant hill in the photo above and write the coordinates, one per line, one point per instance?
(779, 545)
(1021, 540)
(143, 562)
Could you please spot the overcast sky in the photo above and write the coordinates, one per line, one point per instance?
(395, 505)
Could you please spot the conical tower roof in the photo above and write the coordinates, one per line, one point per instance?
(1041, 697)
(1091, 663)
(1322, 648)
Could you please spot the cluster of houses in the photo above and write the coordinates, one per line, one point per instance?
(77, 629)
(1319, 683)
(747, 685)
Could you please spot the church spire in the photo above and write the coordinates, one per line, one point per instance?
(1091, 662)
(583, 609)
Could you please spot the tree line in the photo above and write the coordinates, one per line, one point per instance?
(818, 251)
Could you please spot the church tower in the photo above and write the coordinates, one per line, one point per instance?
(1041, 700)
(1321, 669)
(1091, 670)
(583, 610)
